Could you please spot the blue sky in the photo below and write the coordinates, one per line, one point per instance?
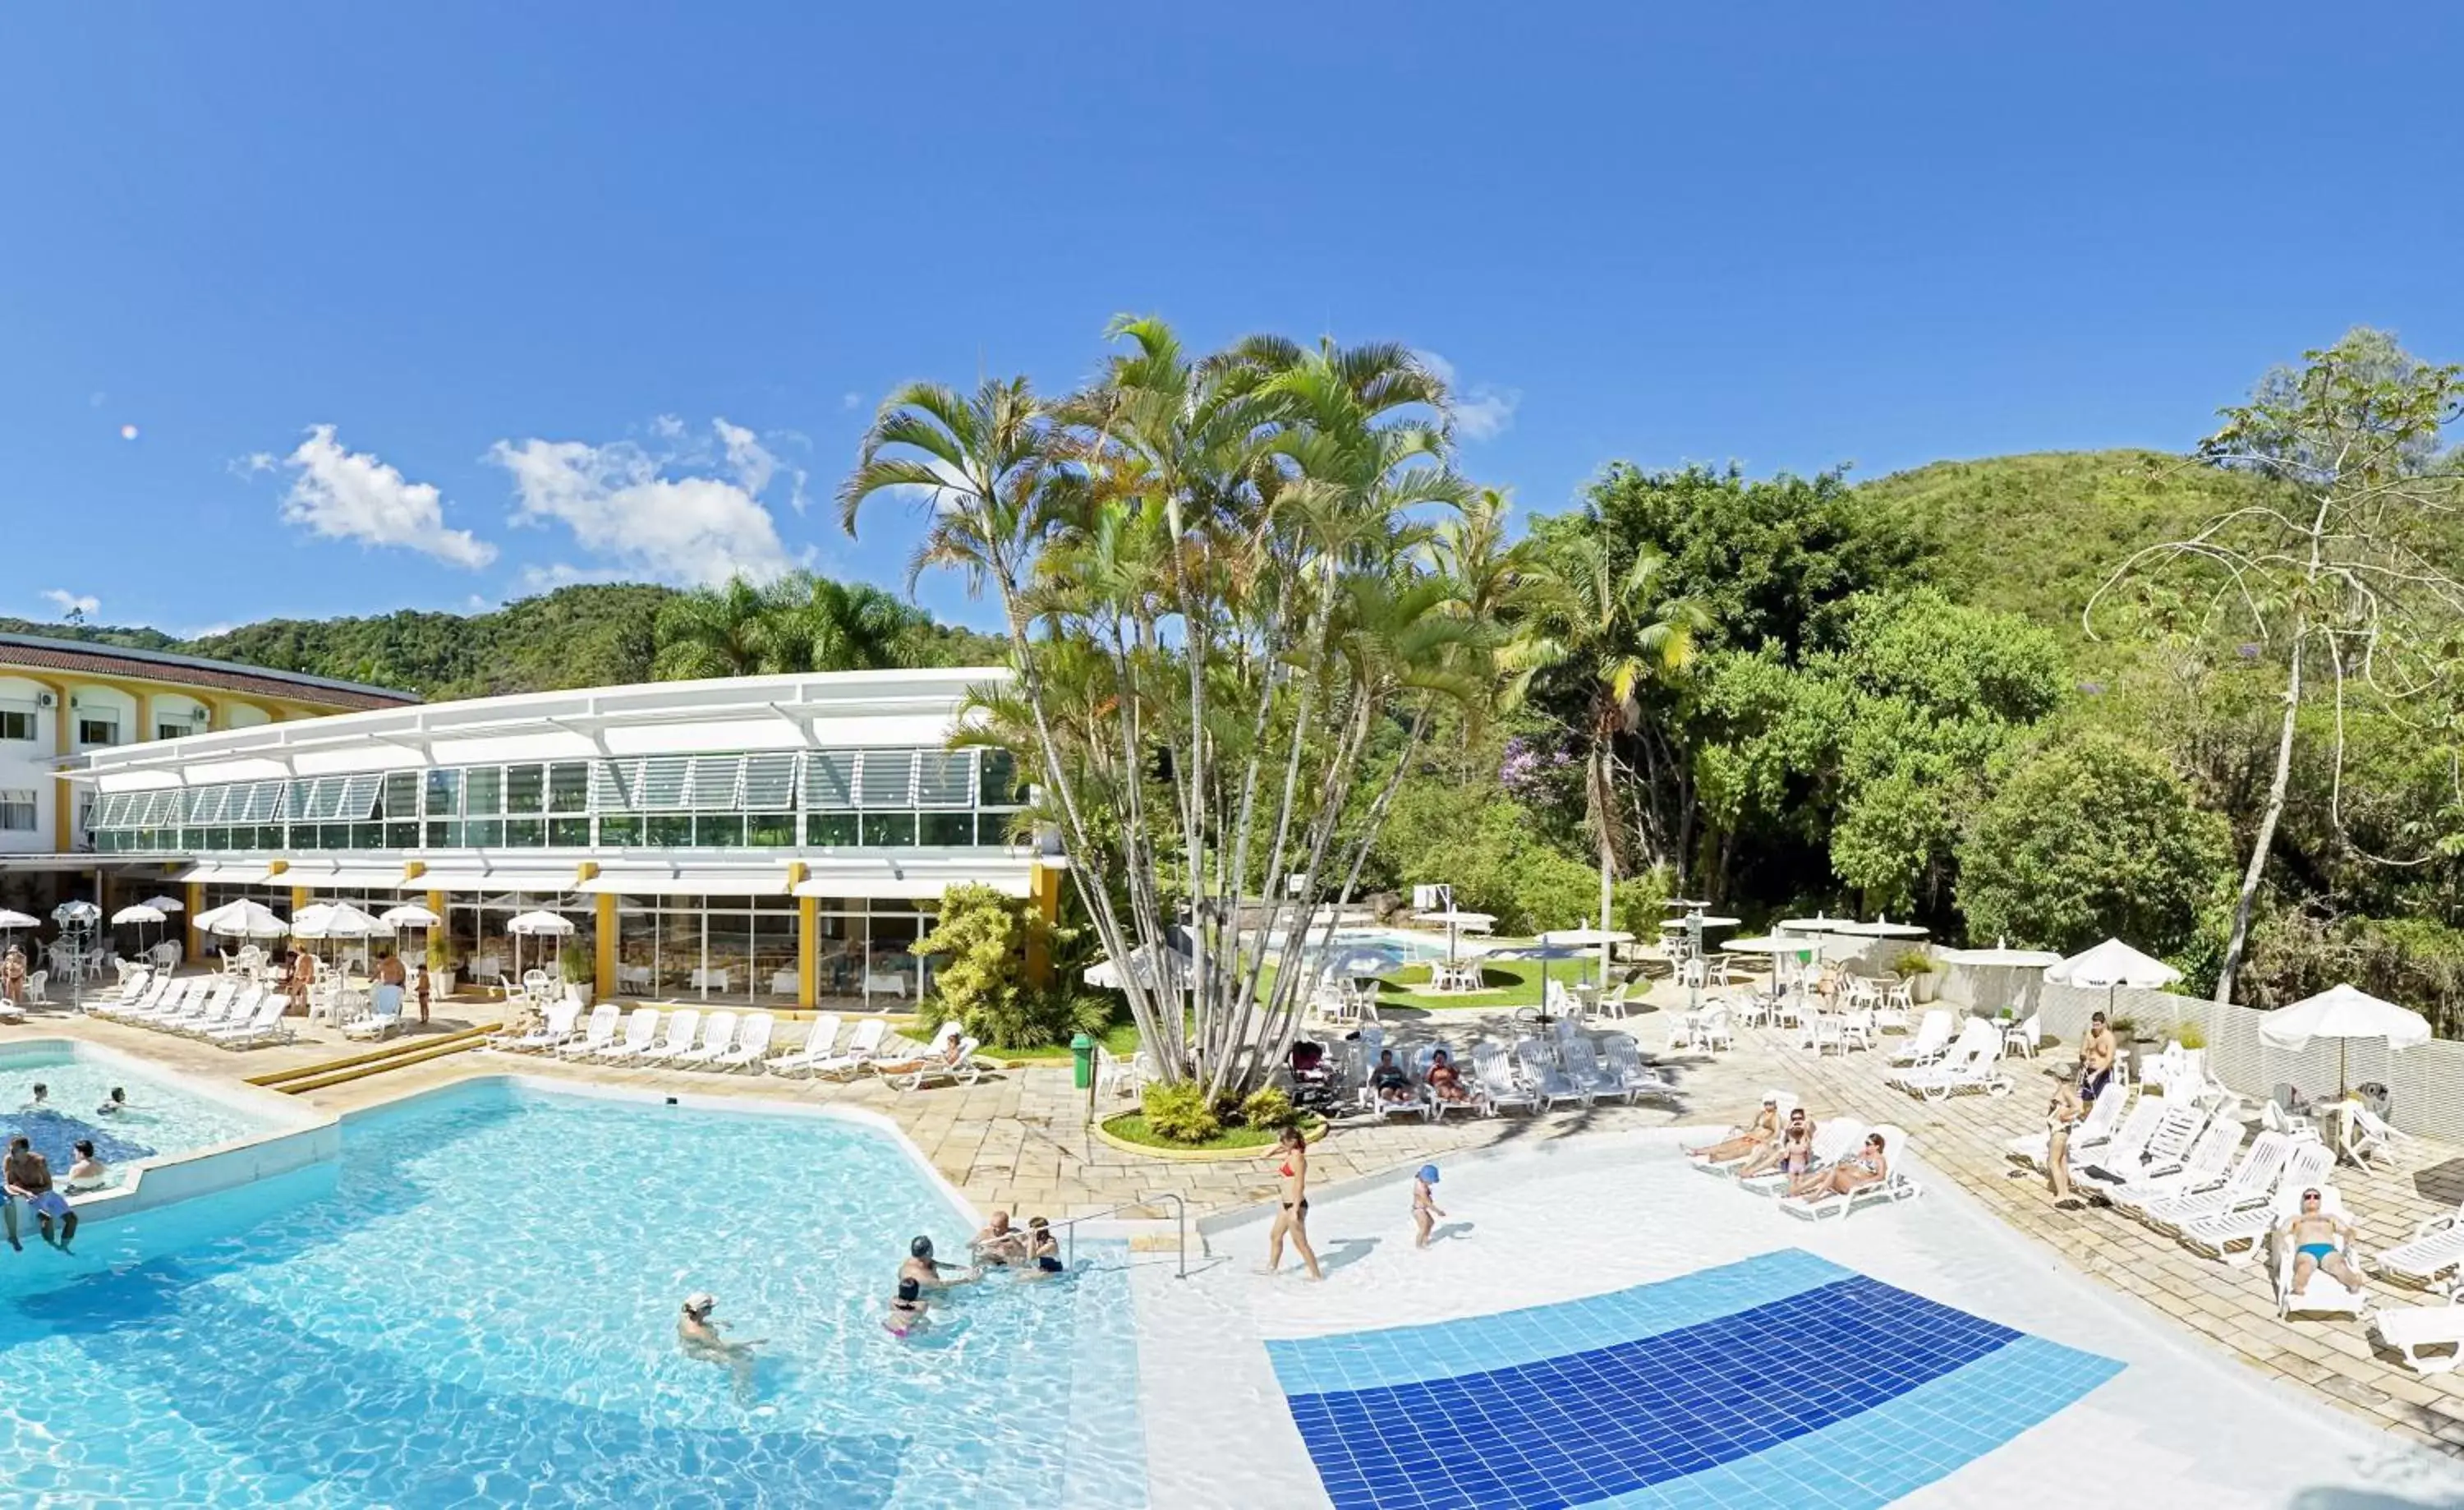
(426, 305)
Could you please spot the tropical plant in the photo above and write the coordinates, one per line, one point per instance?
(1183, 1111)
(2338, 569)
(811, 623)
(715, 632)
(1216, 578)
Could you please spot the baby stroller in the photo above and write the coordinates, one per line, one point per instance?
(1315, 1086)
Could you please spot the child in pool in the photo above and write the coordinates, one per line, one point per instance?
(1043, 1250)
(907, 1311)
(1424, 1203)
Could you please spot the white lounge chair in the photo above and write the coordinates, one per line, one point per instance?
(2156, 1149)
(641, 1036)
(243, 1006)
(718, 1037)
(2204, 1167)
(2251, 1182)
(862, 1045)
(1625, 1057)
(264, 1026)
(173, 995)
(752, 1045)
(682, 1024)
(1969, 1066)
(1895, 1186)
(815, 1048)
(2092, 1131)
(2410, 1328)
(2325, 1295)
(956, 1064)
(2026, 1037)
(2236, 1237)
(1782, 1104)
(2372, 1134)
(597, 1036)
(1834, 1137)
(553, 1032)
(1500, 1085)
(1416, 1103)
(1596, 1079)
(130, 1004)
(207, 1012)
(2435, 1247)
(1547, 1082)
(1934, 1033)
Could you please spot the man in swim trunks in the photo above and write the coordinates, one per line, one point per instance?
(697, 1333)
(2096, 1060)
(27, 1176)
(88, 1173)
(2318, 1240)
(999, 1243)
(926, 1270)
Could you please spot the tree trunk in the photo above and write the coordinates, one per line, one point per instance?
(1608, 863)
(2265, 838)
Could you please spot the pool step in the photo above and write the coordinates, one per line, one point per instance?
(303, 1078)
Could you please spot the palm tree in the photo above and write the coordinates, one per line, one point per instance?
(1610, 624)
(713, 631)
(815, 624)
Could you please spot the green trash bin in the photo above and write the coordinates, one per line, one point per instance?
(1082, 1062)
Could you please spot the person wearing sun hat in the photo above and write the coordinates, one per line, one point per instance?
(1424, 1203)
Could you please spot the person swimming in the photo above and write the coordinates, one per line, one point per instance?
(697, 1333)
(113, 1104)
(908, 1310)
(1042, 1250)
(926, 1270)
(88, 1173)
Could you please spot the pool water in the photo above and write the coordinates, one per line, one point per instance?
(1394, 944)
(478, 1305)
(161, 1119)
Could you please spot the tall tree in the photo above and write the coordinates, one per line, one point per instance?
(714, 631)
(2340, 569)
(812, 623)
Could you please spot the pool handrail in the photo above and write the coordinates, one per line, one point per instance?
(1181, 1224)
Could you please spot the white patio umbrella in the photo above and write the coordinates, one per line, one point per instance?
(11, 923)
(539, 926)
(2002, 957)
(1819, 922)
(1476, 922)
(336, 919)
(1882, 927)
(2113, 965)
(165, 903)
(243, 920)
(1803, 950)
(1106, 974)
(2343, 1013)
(1582, 939)
(1680, 924)
(138, 915)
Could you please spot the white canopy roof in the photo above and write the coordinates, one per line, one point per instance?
(167, 903)
(1882, 927)
(2342, 1011)
(335, 920)
(909, 887)
(553, 882)
(692, 881)
(1583, 937)
(1474, 920)
(16, 919)
(2113, 962)
(243, 920)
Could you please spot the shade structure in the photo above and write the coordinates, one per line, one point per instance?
(336, 919)
(2114, 963)
(1454, 919)
(10, 920)
(77, 913)
(410, 915)
(2343, 1013)
(1817, 923)
(540, 924)
(2002, 957)
(1680, 924)
(1588, 938)
(137, 912)
(243, 920)
(1150, 966)
(1882, 927)
(165, 903)
(1805, 951)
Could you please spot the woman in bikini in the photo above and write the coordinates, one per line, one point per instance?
(1443, 1081)
(1291, 1220)
(1853, 1174)
(1791, 1155)
(1749, 1141)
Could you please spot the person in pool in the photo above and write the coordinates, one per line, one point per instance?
(41, 1101)
(999, 1243)
(88, 1173)
(114, 1104)
(908, 1310)
(1425, 1203)
(1042, 1250)
(926, 1270)
(1750, 1139)
(27, 1176)
(2318, 1240)
(1793, 1153)
(1292, 1217)
(697, 1333)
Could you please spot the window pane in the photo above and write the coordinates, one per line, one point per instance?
(830, 780)
(670, 831)
(885, 779)
(711, 831)
(895, 829)
(367, 836)
(483, 835)
(568, 834)
(949, 829)
(483, 791)
(359, 795)
(443, 834)
(269, 837)
(770, 830)
(663, 782)
(527, 834)
(828, 830)
(713, 783)
(296, 797)
(402, 833)
(525, 789)
(569, 787)
(945, 779)
(444, 794)
(620, 831)
(997, 780)
(616, 785)
(770, 783)
(994, 829)
(401, 795)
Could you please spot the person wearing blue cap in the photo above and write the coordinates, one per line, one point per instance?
(1424, 1203)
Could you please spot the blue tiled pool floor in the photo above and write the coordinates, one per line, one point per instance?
(1783, 1379)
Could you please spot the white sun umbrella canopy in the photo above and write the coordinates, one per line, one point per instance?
(2343, 1013)
(2114, 965)
(2002, 957)
(243, 920)
(1174, 973)
(165, 903)
(1779, 946)
(336, 919)
(137, 913)
(1882, 927)
(539, 926)
(1454, 919)
(11, 921)
(1586, 939)
(410, 915)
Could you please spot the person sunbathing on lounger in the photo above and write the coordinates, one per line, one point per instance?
(1763, 1129)
(946, 1054)
(1857, 1171)
(1393, 1086)
(1444, 1081)
(1792, 1154)
(2318, 1240)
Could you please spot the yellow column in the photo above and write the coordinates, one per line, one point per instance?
(605, 902)
(196, 900)
(63, 792)
(1043, 890)
(145, 714)
(808, 940)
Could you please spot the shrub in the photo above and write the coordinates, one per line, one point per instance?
(1915, 962)
(1184, 1113)
(2190, 1035)
(1267, 1107)
(1033, 1017)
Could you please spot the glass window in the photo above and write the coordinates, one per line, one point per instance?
(830, 780)
(890, 829)
(401, 799)
(830, 830)
(663, 782)
(885, 778)
(954, 829)
(444, 795)
(669, 831)
(568, 834)
(482, 834)
(367, 836)
(483, 791)
(714, 783)
(17, 811)
(269, 837)
(525, 789)
(770, 783)
(569, 787)
(98, 731)
(16, 723)
(945, 779)
(525, 834)
(402, 833)
(620, 831)
(771, 830)
(711, 831)
(443, 834)
(997, 779)
(171, 731)
(993, 828)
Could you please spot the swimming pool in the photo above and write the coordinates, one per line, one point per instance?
(477, 1305)
(162, 1118)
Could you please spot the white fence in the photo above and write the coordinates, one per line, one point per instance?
(2425, 1085)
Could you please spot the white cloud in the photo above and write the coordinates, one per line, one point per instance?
(349, 494)
(564, 574)
(209, 631)
(128, 433)
(68, 603)
(1485, 413)
(623, 507)
(668, 427)
(850, 401)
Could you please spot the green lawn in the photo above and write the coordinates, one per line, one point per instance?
(1512, 983)
(1120, 1039)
